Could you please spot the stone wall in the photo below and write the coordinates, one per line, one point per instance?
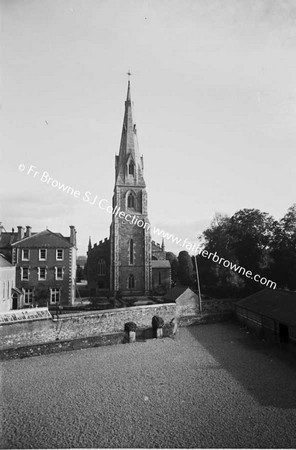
(81, 325)
(218, 306)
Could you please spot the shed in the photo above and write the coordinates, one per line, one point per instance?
(271, 313)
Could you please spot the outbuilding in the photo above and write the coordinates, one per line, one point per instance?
(270, 314)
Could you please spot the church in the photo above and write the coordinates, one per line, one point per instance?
(128, 263)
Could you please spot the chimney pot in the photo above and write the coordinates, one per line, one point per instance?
(20, 232)
(28, 231)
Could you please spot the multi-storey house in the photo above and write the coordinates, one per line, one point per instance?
(45, 268)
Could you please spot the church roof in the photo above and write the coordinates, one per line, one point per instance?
(129, 149)
(160, 264)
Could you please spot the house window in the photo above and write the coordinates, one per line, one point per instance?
(131, 252)
(102, 267)
(159, 277)
(59, 254)
(3, 290)
(41, 273)
(131, 282)
(59, 273)
(24, 273)
(131, 168)
(131, 201)
(55, 295)
(28, 298)
(42, 254)
(8, 292)
(25, 254)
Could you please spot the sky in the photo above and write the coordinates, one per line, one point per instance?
(214, 92)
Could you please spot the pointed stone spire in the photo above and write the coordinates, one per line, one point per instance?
(89, 245)
(129, 163)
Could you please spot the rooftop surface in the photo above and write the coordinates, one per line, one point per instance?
(213, 386)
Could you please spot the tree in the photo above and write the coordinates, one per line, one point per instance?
(41, 296)
(244, 239)
(185, 270)
(170, 256)
(283, 267)
(79, 274)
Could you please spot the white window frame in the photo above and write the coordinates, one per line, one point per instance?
(22, 274)
(56, 273)
(23, 257)
(39, 274)
(42, 250)
(28, 293)
(57, 252)
(53, 292)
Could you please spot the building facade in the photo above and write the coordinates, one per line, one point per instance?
(45, 266)
(7, 284)
(123, 263)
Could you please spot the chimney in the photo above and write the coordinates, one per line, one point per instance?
(20, 233)
(28, 231)
(72, 235)
(12, 230)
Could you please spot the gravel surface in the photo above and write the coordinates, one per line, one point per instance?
(211, 386)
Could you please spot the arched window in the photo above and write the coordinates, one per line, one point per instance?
(101, 267)
(131, 252)
(131, 200)
(131, 168)
(131, 282)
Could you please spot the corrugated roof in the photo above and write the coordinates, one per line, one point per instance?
(277, 304)
(44, 238)
(160, 264)
(4, 262)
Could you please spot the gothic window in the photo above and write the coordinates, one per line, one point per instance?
(131, 282)
(131, 252)
(131, 168)
(102, 267)
(131, 200)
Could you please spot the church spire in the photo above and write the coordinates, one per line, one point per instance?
(89, 245)
(129, 163)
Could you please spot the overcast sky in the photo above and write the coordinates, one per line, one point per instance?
(214, 90)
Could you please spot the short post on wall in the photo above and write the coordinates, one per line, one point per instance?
(130, 328)
(157, 326)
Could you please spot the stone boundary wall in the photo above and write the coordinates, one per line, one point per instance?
(218, 306)
(82, 325)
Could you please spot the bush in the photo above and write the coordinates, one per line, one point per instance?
(157, 322)
(130, 326)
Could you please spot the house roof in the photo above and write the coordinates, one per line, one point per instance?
(45, 238)
(7, 238)
(175, 292)
(277, 304)
(4, 262)
(160, 264)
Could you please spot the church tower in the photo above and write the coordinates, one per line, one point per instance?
(130, 240)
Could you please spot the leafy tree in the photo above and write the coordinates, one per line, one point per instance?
(170, 256)
(283, 267)
(245, 239)
(79, 273)
(41, 296)
(185, 270)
